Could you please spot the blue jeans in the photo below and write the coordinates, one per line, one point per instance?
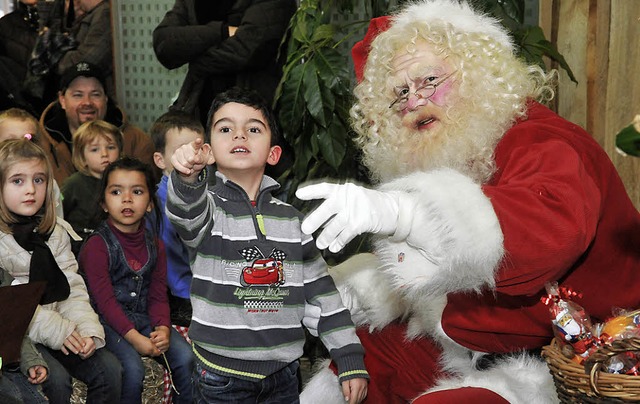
(280, 387)
(179, 355)
(14, 385)
(101, 372)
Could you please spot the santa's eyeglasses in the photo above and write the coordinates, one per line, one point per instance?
(425, 91)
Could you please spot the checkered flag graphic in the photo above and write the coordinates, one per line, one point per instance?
(251, 253)
(278, 254)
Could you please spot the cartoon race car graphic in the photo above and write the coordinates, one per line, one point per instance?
(263, 270)
(266, 271)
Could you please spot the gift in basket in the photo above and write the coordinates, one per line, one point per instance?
(592, 363)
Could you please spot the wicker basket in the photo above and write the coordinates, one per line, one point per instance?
(574, 384)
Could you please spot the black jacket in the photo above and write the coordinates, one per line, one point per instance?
(216, 61)
(17, 38)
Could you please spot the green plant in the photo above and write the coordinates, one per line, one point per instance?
(314, 95)
(628, 139)
(530, 40)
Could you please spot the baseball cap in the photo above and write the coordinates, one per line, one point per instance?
(81, 69)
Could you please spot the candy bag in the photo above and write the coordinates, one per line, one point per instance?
(624, 325)
(625, 363)
(571, 323)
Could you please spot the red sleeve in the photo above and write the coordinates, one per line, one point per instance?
(566, 217)
(548, 207)
(548, 204)
(158, 301)
(94, 261)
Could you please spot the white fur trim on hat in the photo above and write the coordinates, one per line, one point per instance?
(459, 14)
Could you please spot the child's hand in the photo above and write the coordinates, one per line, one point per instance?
(354, 390)
(74, 343)
(88, 349)
(141, 344)
(161, 337)
(189, 159)
(37, 374)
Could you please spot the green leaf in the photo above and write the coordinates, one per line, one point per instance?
(514, 9)
(312, 94)
(533, 45)
(332, 66)
(551, 52)
(300, 31)
(291, 103)
(303, 157)
(323, 33)
(534, 34)
(328, 99)
(313, 141)
(333, 143)
(628, 141)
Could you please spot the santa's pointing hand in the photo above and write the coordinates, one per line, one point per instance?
(349, 210)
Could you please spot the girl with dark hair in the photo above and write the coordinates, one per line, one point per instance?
(126, 270)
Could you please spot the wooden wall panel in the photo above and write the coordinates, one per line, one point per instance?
(622, 101)
(572, 42)
(599, 40)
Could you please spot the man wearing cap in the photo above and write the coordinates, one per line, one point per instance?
(82, 98)
(484, 196)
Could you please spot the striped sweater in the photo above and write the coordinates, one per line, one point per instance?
(253, 273)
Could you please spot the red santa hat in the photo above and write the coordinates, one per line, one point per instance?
(459, 14)
(360, 50)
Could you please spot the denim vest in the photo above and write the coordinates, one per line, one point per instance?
(130, 287)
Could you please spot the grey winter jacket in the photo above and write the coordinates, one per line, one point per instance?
(53, 323)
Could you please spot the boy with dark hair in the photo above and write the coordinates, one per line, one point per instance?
(254, 271)
(170, 131)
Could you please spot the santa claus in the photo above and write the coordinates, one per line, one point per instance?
(483, 196)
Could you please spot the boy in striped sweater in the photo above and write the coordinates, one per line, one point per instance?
(254, 271)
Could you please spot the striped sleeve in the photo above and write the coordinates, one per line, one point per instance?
(190, 208)
(335, 327)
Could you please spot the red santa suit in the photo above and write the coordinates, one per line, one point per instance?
(463, 274)
(563, 214)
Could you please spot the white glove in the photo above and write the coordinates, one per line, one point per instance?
(311, 318)
(349, 210)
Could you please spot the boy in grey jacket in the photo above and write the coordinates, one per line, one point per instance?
(254, 271)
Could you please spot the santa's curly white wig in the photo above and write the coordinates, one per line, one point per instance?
(493, 86)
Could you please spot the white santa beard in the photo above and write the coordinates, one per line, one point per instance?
(462, 141)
